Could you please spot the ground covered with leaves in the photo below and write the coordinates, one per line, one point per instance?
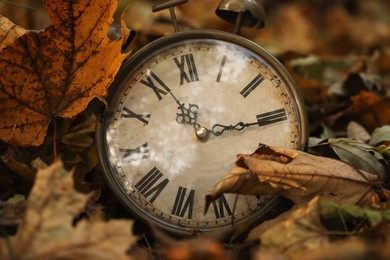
(54, 201)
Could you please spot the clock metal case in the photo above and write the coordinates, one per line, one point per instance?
(126, 71)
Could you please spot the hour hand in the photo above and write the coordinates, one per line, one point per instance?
(188, 114)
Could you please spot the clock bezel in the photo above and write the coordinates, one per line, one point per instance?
(133, 64)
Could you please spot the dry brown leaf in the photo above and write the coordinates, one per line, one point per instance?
(295, 232)
(58, 71)
(367, 109)
(9, 32)
(298, 176)
(47, 230)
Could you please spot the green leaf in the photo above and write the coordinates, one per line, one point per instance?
(373, 215)
(383, 149)
(386, 214)
(380, 134)
(359, 154)
(353, 210)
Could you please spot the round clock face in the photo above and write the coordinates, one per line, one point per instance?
(179, 113)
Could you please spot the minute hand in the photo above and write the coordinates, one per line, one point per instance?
(218, 129)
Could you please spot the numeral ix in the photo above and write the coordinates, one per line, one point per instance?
(136, 154)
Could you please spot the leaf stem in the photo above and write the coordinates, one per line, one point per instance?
(54, 139)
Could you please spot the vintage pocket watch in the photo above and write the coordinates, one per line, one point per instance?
(182, 108)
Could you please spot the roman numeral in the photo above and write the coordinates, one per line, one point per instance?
(139, 153)
(221, 69)
(149, 82)
(181, 207)
(189, 60)
(252, 85)
(220, 206)
(147, 185)
(271, 117)
(127, 113)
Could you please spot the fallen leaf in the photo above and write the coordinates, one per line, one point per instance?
(360, 155)
(58, 71)
(380, 135)
(9, 32)
(356, 152)
(295, 232)
(357, 131)
(47, 230)
(349, 211)
(12, 210)
(368, 109)
(298, 176)
(346, 249)
(206, 247)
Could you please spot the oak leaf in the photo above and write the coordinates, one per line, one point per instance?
(58, 71)
(47, 230)
(297, 175)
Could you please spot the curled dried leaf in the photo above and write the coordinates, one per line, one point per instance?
(297, 175)
(9, 32)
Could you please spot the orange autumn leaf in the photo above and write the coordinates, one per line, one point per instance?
(58, 71)
(369, 110)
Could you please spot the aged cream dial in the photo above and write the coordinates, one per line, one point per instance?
(180, 112)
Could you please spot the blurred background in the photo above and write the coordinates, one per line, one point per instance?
(302, 26)
(333, 49)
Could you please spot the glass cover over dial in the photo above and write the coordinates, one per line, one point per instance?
(180, 112)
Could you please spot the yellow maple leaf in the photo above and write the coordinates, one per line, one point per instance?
(58, 71)
(47, 230)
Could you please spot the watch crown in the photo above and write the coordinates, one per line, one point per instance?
(248, 13)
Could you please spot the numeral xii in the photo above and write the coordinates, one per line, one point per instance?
(187, 59)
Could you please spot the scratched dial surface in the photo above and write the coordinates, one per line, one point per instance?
(155, 160)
